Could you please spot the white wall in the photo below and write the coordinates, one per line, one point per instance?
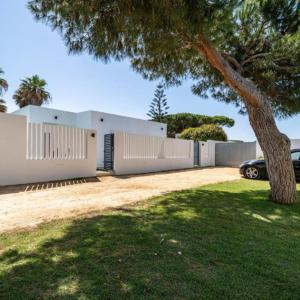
(84, 120)
(295, 144)
(115, 123)
(37, 114)
(16, 169)
(136, 154)
(92, 120)
(207, 153)
(232, 154)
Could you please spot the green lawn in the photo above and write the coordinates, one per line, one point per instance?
(221, 241)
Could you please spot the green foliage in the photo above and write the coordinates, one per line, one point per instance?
(204, 133)
(3, 107)
(32, 92)
(234, 244)
(259, 39)
(265, 48)
(178, 122)
(3, 83)
(159, 105)
(3, 88)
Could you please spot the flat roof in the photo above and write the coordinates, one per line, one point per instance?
(86, 111)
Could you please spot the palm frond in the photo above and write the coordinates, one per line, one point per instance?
(3, 107)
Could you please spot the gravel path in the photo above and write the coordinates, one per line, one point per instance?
(30, 205)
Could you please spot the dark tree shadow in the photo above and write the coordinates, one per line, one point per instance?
(193, 244)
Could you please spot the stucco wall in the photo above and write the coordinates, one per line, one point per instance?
(92, 119)
(295, 144)
(37, 114)
(115, 123)
(16, 169)
(124, 165)
(207, 153)
(233, 154)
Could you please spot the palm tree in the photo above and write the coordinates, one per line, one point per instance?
(32, 92)
(3, 107)
(3, 83)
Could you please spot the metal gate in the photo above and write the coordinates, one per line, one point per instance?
(108, 151)
(196, 154)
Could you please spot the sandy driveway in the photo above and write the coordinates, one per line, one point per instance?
(29, 205)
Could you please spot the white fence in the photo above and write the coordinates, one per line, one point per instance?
(56, 142)
(233, 154)
(135, 154)
(152, 147)
(36, 153)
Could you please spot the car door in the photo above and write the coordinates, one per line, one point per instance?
(296, 162)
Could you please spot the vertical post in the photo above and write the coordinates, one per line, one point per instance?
(28, 141)
(31, 140)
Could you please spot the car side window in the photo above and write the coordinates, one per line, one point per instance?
(296, 155)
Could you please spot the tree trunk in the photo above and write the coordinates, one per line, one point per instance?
(276, 149)
(275, 145)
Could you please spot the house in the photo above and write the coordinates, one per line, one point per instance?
(103, 123)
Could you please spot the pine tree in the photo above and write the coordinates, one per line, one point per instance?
(159, 105)
(244, 52)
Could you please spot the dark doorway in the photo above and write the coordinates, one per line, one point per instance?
(108, 152)
(196, 154)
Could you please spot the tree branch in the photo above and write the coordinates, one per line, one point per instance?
(253, 57)
(242, 86)
(232, 60)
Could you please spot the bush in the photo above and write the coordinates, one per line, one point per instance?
(204, 133)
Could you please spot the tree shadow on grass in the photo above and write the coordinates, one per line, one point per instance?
(192, 244)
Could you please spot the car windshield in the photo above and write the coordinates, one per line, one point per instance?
(296, 155)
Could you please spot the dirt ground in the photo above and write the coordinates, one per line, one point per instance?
(26, 206)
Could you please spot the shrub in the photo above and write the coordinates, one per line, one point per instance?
(204, 133)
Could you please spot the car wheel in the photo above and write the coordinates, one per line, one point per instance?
(252, 173)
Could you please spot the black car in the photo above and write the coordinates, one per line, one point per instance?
(256, 168)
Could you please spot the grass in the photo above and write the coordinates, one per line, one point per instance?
(220, 241)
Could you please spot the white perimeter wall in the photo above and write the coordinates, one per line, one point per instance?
(295, 144)
(92, 120)
(16, 169)
(115, 123)
(136, 154)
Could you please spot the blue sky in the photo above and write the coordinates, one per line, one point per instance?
(79, 83)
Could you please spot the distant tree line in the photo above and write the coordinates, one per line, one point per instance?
(181, 121)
